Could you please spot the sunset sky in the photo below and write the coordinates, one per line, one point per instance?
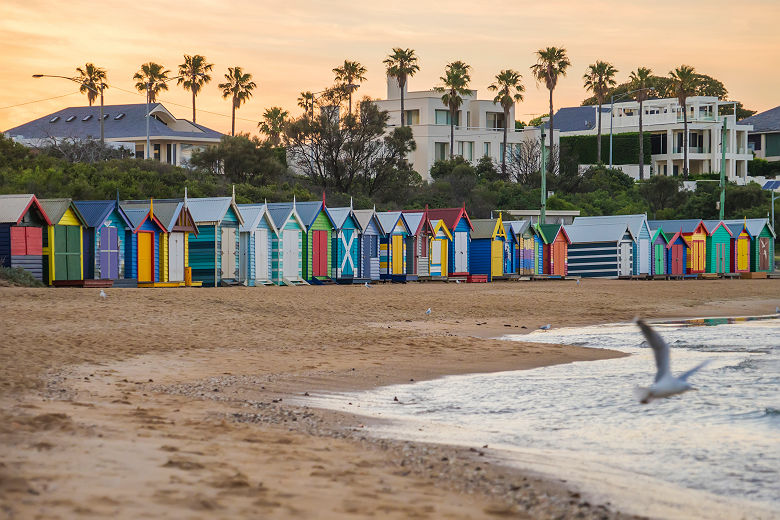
(292, 46)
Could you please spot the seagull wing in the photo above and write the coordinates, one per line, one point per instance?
(659, 346)
(685, 375)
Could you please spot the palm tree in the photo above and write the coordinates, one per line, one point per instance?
(350, 75)
(239, 87)
(93, 82)
(401, 65)
(306, 102)
(272, 124)
(509, 88)
(193, 74)
(599, 78)
(640, 81)
(684, 81)
(551, 63)
(455, 85)
(151, 79)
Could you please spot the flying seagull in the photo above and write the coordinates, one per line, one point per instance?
(103, 294)
(665, 384)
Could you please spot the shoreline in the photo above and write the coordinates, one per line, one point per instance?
(168, 404)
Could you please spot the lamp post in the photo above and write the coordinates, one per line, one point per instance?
(543, 209)
(76, 80)
(612, 112)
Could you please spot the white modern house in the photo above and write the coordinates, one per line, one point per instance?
(663, 120)
(478, 131)
(172, 140)
(764, 139)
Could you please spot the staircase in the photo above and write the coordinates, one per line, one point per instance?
(294, 283)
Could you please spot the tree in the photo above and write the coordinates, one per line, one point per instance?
(238, 86)
(455, 85)
(306, 102)
(640, 82)
(93, 82)
(350, 75)
(401, 65)
(152, 78)
(509, 90)
(551, 63)
(193, 74)
(599, 77)
(661, 192)
(272, 125)
(241, 158)
(684, 82)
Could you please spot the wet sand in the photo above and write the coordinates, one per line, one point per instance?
(172, 403)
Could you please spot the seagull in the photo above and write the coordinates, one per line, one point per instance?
(367, 285)
(428, 312)
(457, 281)
(103, 294)
(665, 384)
(545, 327)
(578, 283)
(777, 310)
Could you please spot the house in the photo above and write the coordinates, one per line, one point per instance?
(104, 238)
(764, 138)
(639, 228)
(256, 237)
(600, 250)
(459, 224)
(345, 249)
(370, 231)
(762, 244)
(63, 243)
(317, 260)
(486, 253)
(392, 245)
(142, 249)
(695, 234)
(418, 242)
(663, 121)
(556, 249)
(719, 239)
(740, 246)
(287, 246)
(479, 125)
(172, 140)
(438, 255)
(214, 254)
(23, 224)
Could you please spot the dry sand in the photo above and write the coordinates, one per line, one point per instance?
(172, 403)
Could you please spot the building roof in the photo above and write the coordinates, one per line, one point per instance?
(253, 214)
(450, 216)
(582, 233)
(70, 123)
(672, 226)
(338, 216)
(768, 121)
(212, 209)
(364, 216)
(13, 208)
(484, 227)
(414, 219)
(549, 232)
(96, 211)
(308, 212)
(754, 225)
(712, 225)
(136, 215)
(736, 227)
(572, 119)
(281, 212)
(167, 211)
(517, 227)
(389, 219)
(634, 222)
(56, 208)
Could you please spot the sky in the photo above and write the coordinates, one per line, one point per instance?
(292, 46)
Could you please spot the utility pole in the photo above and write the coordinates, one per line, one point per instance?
(544, 181)
(723, 170)
(148, 139)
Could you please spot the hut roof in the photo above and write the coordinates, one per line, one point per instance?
(671, 226)
(281, 212)
(634, 222)
(96, 211)
(736, 227)
(212, 209)
(13, 208)
(582, 233)
(167, 211)
(485, 228)
(439, 224)
(364, 217)
(339, 216)
(56, 208)
(415, 220)
(450, 216)
(549, 232)
(712, 225)
(308, 211)
(136, 216)
(517, 227)
(389, 219)
(253, 214)
(655, 233)
(754, 225)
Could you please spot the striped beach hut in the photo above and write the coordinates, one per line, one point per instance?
(525, 254)
(63, 244)
(256, 236)
(459, 224)
(287, 259)
(142, 248)
(345, 247)
(676, 254)
(640, 229)
(695, 234)
(511, 248)
(762, 244)
(370, 231)
(214, 254)
(719, 238)
(556, 249)
(487, 248)
(23, 225)
(658, 250)
(317, 261)
(440, 245)
(600, 250)
(104, 238)
(392, 245)
(740, 246)
(418, 242)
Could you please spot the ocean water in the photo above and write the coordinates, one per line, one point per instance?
(714, 452)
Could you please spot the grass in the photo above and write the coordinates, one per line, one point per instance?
(18, 277)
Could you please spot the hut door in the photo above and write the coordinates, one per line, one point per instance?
(763, 254)
(658, 268)
(435, 257)
(677, 259)
(176, 257)
(397, 253)
(743, 245)
(461, 250)
(559, 258)
(228, 252)
(109, 253)
(625, 258)
(348, 237)
(67, 253)
(320, 253)
(261, 254)
(496, 258)
(145, 247)
(290, 252)
(644, 256)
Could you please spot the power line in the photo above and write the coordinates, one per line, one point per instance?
(38, 100)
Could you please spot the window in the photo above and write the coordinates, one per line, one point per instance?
(468, 119)
(139, 151)
(71, 118)
(105, 116)
(494, 120)
(412, 117)
(119, 116)
(442, 117)
(54, 119)
(466, 150)
(754, 142)
(500, 150)
(441, 151)
(486, 149)
(87, 118)
(168, 153)
(156, 149)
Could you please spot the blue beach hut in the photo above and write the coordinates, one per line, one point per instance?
(104, 238)
(345, 247)
(215, 252)
(370, 231)
(287, 259)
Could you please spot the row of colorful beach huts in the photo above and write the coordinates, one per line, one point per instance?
(214, 241)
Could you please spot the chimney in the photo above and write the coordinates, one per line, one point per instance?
(393, 90)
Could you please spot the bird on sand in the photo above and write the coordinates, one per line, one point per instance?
(665, 384)
(777, 310)
(545, 327)
(578, 283)
(428, 312)
(367, 285)
(103, 294)
(457, 281)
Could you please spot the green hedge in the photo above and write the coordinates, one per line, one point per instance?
(625, 148)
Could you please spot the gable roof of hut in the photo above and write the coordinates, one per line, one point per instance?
(634, 222)
(212, 209)
(582, 233)
(14, 207)
(56, 208)
(253, 214)
(450, 216)
(96, 211)
(364, 217)
(389, 220)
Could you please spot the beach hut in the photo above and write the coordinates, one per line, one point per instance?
(511, 247)
(486, 253)
(214, 254)
(345, 247)
(418, 242)
(439, 249)
(370, 231)
(459, 224)
(740, 246)
(600, 250)
(525, 253)
(256, 237)
(104, 238)
(658, 243)
(23, 224)
(142, 247)
(63, 244)
(676, 254)
(555, 254)
(640, 229)
(719, 238)
(287, 259)
(695, 234)
(762, 244)
(317, 260)
(392, 245)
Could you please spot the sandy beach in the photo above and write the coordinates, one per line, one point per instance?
(176, 403)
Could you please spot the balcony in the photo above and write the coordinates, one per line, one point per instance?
(691, 149)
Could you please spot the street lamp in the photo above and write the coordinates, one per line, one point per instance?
(612, 111)
(83, 84)
(148, 90)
